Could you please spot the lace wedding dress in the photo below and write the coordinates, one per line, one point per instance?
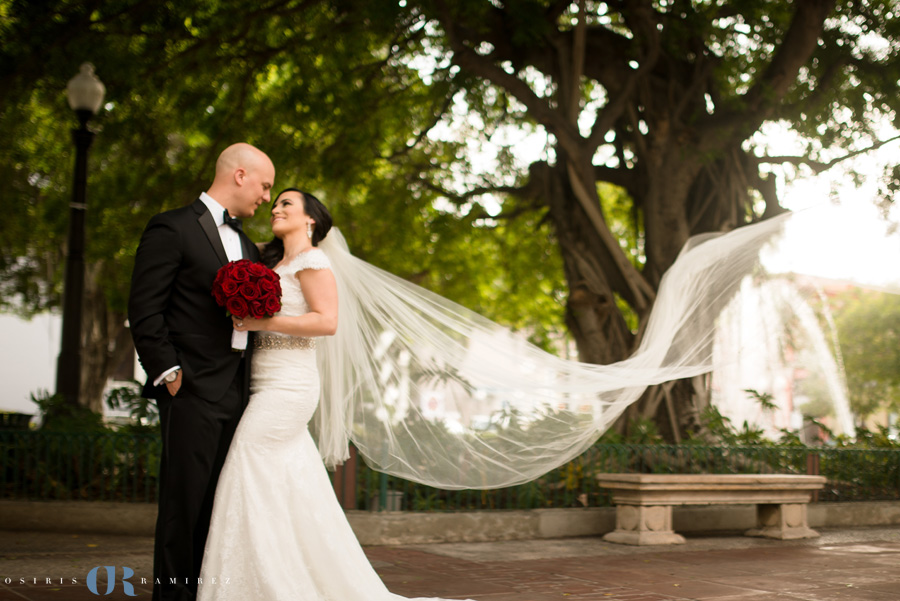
(277, 531)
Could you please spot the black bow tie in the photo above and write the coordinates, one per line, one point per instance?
(233, 223)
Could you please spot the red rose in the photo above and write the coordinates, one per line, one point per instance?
(266, 286)
(239, 272)
(250, 291)
(220, 297)
(237, 306)
(273, 305)
(230, 287)
(257, 270)
(257, 309)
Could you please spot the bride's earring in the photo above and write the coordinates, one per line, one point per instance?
(309, 230)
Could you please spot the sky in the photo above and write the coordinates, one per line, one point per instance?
(850, 211)
(876, 260)
(28, 354)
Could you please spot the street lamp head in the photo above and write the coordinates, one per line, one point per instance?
(85, 91)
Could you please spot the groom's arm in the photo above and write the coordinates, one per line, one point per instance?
(156, 266)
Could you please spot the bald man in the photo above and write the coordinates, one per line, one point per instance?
(183, 340)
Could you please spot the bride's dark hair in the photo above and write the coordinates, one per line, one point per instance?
(273, 251)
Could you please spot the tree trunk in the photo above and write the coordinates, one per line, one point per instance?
(594, 320)
(672, 213)
(666, 223)
(103, 348)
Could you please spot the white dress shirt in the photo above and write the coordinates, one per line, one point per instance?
(231, 240)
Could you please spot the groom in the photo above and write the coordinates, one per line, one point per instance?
(183, 340)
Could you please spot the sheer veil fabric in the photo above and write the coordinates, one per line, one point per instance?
(433, 392)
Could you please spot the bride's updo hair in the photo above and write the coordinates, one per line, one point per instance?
(273, 252)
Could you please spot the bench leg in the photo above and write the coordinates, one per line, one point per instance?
(785, 521)
(644, 525)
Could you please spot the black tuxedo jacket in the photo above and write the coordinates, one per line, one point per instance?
(173, 317)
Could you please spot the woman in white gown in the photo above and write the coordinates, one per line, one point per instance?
(277, 530)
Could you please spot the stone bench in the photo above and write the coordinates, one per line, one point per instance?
(644, 503)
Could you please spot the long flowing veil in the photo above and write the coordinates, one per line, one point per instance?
(435, 393)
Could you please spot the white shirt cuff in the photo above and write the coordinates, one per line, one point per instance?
(163, 375)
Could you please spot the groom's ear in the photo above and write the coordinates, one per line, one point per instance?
(239, 174)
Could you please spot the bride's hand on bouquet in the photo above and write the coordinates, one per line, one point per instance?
(249, 324)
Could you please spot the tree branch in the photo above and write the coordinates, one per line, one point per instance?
(639, 289)
(797, 46)
(461, 198)
(468, 59)
(502, 215)
(577, 65)
(820, 166)
(555, 10)
(641, 20)
(822, 86)
(438, 115)
(619, 176)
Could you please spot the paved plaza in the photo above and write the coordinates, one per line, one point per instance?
(859, 564)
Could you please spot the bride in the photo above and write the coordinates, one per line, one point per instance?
(507, 412)
(277, 530)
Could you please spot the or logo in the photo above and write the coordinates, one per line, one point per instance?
(111, 580)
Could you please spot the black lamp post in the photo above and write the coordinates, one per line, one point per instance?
(85, 93)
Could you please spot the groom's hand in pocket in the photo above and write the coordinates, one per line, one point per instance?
(174, 387)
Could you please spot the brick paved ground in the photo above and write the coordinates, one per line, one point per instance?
(850, 564)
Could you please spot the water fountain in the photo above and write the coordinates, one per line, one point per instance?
(769, 337)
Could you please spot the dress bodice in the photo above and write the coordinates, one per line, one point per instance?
(283, 365)
(292, 300)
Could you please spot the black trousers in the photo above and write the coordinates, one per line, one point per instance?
(196, 434)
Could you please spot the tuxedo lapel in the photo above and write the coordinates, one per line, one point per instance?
(208, 223)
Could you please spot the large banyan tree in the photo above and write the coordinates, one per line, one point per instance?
(660, 100)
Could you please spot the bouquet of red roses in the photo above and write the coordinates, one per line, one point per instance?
(247, 289)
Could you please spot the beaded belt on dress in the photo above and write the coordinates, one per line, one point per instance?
(266, 341)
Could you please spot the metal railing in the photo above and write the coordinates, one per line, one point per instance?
(89, 466)
(853, 475)
(113, 466)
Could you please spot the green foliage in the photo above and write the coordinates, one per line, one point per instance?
(316, 85)
(74, 455)
(881, 438)
(868, 325)
(14, 420)
(640, 430)
(58, 416)
(143, 412)
(715, 428)
(714, 423)
(765, 399)
(99, 465)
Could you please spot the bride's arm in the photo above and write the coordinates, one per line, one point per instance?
(320, 292)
